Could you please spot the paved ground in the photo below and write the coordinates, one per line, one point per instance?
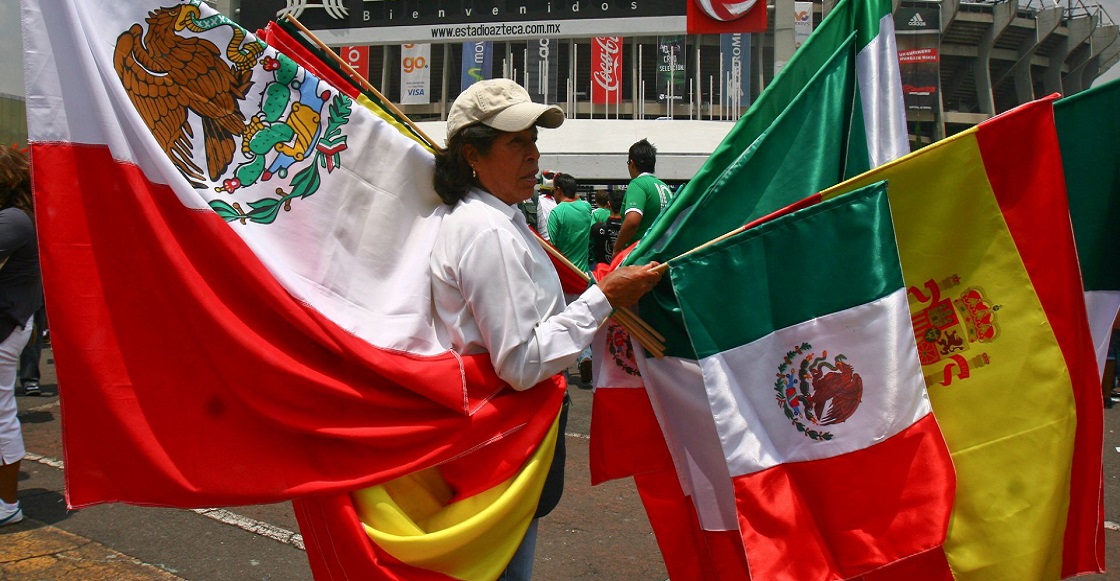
(597, 533)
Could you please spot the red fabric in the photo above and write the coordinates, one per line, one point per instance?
(928, 566)
(338, 548)
(625, 436)
(1058, 284)
(850, 514)
(689, 551)
(189, 377)
(279, 39)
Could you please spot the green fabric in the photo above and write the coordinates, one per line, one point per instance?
(648, 194)
(600, 215)
(861, 16)
(569, 230)
(826, 258)
(819, 124)
(1089, 135)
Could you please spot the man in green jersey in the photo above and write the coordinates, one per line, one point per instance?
(569, 223)
(569, 230)
(645, 196)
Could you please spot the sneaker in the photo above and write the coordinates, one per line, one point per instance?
(585, 370)
(10, 516)
(31, 388)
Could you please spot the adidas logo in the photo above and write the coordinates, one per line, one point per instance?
(916, 20)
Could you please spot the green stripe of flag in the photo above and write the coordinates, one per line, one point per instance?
(1089, 133)
(861, 16)
(833, 256)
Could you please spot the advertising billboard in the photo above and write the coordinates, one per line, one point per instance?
(355, 22)
(918, 33)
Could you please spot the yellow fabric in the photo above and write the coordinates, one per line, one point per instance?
(1010, 423)
(391, 120)
(472, 539)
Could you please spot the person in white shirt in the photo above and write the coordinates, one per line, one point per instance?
(494, 289)
(545, 203)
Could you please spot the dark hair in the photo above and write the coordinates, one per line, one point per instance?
(453, 175)
(602, 198)
(644, 156)
(616, 197)
(567, 183)
(15, 180)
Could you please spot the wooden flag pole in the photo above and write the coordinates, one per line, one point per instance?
(649, 338)
(362, 81)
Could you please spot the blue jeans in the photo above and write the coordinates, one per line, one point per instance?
(29, 357)
(520, 567)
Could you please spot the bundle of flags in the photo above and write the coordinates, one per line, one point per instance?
(235, 259)
(880, 369)
(740, 448)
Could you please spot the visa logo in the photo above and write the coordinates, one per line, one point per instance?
(415, 92)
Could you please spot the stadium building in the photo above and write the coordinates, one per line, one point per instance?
(626, 70)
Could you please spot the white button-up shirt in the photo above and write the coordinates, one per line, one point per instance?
(495, 290)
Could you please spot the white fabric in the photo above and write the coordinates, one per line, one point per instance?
(545, 204)
(1102, 307)
(356, 250)
(880, 87)
(11, 439)
(877, 340)
(495, 290)
(676, 391)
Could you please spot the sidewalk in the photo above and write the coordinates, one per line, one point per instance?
(596, 534)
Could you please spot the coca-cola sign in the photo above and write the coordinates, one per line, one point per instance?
(606, 70)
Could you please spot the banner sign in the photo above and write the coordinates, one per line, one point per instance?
(918, 34)
(606, 70)
(478, 62)
(735, 86)
(402, 21)
(802, 22)
(416, 74)
(724, 16)
(357, 57)
(541, 64)
(672, 78)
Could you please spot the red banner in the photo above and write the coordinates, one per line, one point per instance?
(606, 70)
(357, 57)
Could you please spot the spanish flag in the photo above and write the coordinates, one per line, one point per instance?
(995, 294)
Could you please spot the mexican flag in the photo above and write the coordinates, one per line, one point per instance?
(836, 460)
(995, 293)
(1089, 133)
(236, 264)
(834, 111)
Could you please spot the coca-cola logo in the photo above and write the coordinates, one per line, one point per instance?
(725, 11)
(610, 51)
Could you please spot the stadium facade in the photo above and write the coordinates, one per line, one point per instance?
(962, 62)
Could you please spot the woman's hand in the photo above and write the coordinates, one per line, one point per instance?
(626, 284)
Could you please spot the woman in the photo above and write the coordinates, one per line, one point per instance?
(493, 287)
(20, 296)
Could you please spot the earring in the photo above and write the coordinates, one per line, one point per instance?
(474, 172)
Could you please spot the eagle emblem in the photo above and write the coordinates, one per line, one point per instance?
(815, 391)
(190, 93)
(620, 348)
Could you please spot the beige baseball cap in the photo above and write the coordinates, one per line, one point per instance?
(501, 104)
